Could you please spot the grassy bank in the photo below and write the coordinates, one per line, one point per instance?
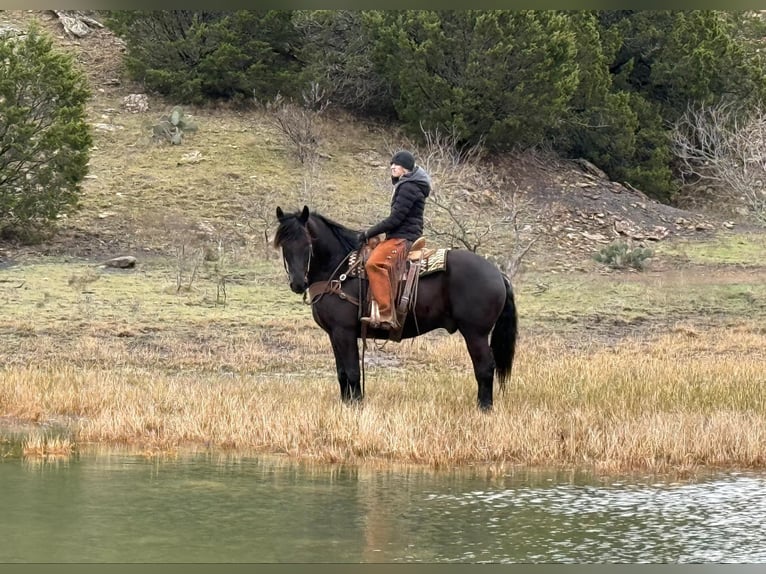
(635, 372)
(679, 402)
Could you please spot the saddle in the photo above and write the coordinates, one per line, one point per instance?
(406, 272)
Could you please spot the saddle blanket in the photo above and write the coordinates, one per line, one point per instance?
(433, 262)
(436, 261)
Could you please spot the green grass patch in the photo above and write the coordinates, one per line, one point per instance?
(51, 291)
(727, 249)
(563, 302)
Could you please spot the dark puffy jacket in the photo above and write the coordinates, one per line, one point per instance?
(407, 204)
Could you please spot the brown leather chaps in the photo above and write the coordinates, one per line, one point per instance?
(385, 257)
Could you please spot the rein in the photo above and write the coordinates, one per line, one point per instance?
(319, 289)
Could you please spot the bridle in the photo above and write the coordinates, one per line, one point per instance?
(308, 263)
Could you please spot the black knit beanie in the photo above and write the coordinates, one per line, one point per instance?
(404, 159)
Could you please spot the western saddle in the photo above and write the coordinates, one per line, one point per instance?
(406, 272)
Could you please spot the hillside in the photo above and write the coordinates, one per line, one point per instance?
(216, 182)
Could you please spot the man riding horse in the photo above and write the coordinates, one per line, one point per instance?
(402, 227)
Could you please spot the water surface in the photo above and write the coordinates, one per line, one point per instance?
(122, 507)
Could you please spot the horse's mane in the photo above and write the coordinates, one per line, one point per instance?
(291, 229)
(347, 237)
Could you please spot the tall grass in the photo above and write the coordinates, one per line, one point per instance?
(41, 446)
(680, 401)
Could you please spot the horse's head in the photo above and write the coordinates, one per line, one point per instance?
(293, 238)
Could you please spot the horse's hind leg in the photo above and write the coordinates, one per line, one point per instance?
(346, 350)
(483, 367)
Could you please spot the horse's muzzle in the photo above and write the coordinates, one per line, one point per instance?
(298, 288)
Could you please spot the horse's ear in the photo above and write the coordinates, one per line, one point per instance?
(304, 215)
(280, 213)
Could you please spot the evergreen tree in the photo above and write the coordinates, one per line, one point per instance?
(338, 56)
(603, 85)
(193, 56)
(44, 137)
(501, 75)
(613, 128)
(666, 62)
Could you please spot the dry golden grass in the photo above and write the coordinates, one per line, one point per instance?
(679, 402)
(40, 446)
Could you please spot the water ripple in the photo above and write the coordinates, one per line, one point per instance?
(712, 521)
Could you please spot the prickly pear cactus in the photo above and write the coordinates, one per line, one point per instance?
(176, 116)
(172, 127)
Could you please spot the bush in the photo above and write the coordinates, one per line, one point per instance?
(494, 75)
(44, 137)
(621, 255)
(338, 55)
(193, 56)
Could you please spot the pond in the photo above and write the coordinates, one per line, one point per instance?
(206, 507)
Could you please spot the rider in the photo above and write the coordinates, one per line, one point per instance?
(403, 226)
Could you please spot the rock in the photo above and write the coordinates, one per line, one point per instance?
(123, 262)
(600, 237)
(75, 23)
(108, 127)
(657, 233)
(622, 227)
(136, 103)
(7, 31)
(589, 168)
(191, 157)
(627, 229)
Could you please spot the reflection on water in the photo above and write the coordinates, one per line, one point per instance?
(120, 507)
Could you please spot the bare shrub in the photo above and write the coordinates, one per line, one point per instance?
(471, 205)
(298, 122)
(188, 261)
(189, 242)
(299, 126)
(81, 281)
(217, 256)
(724, 146)
(517, 211)
(260, 219)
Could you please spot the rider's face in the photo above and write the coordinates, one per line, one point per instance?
(397, 170)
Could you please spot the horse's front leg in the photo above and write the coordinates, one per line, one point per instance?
(346, 350)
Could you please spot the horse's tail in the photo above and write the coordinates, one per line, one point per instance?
(503, 340)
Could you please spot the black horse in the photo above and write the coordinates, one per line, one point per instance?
(471, 296)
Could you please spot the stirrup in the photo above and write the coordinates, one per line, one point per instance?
(376, 324)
